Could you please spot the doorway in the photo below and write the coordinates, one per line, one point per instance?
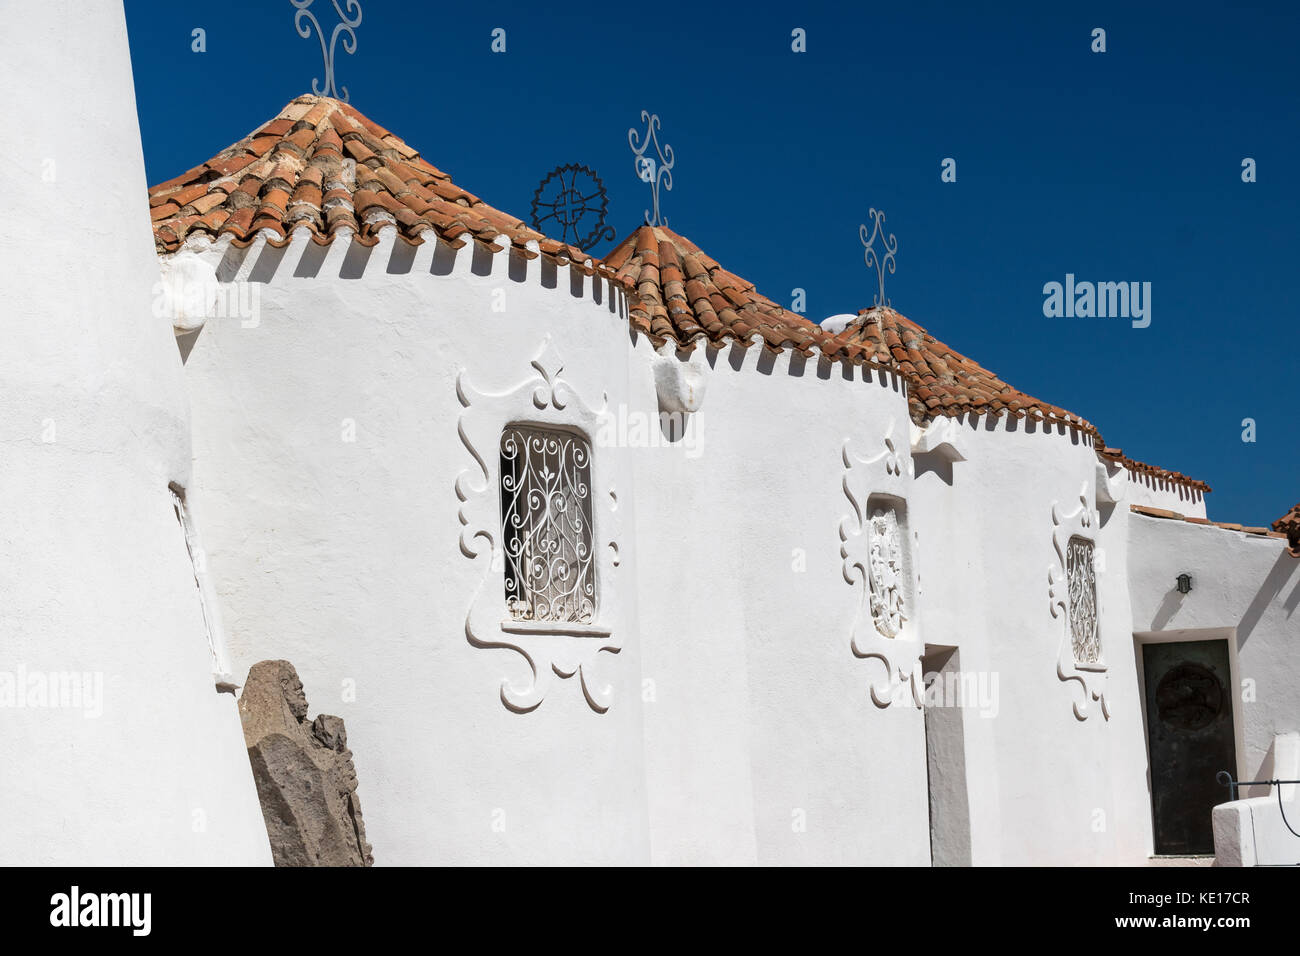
(945, 757)
(1190, 738)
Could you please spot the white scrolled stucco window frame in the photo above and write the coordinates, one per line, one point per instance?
(550, 648)
(1091, 676)
(886, 475)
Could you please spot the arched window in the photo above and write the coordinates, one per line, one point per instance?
(546, 525)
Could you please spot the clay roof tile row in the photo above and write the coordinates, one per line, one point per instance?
(683, 295)
(715, 305)
(293, 172)
(1132, 464)
(1151, 512)
(322, 166)
(1289, 525)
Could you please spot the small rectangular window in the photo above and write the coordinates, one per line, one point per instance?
(546, 525)
(1081, 574)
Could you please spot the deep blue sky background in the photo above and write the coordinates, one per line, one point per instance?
(1117, 166)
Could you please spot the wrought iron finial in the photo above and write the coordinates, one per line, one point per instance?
(568, 196)
(304, 20)
(647, 169)
(874, 260)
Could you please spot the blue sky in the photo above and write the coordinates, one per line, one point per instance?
(1115, 166)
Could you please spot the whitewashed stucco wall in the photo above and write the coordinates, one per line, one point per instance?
(1043, 782)
(760, 741)
(742, 727)
(1144, 489)
(94, 571)
(328, 456)
(1244, 585)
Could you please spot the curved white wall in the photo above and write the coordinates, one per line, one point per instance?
(762, 741)
(327, 463)
(717, 710)
(741, 728)
(93, 565)
(332, 478)
(1042, 779)
(1145, 489)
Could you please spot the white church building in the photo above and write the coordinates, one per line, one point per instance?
(602, 560)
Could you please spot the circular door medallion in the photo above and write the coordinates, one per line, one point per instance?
(1189, 697)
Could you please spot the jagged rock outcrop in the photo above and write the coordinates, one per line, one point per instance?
(304, 772)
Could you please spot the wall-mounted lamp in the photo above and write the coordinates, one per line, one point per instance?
(1184, 584)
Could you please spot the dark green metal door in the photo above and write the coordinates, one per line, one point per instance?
(1190, 737)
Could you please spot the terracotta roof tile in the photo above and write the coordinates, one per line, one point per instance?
(1289, 525)
(182, 197)
(1132, 464)
(941, 377)
(680, 294)
(1151, 512)
(290, 174)
(274, 177)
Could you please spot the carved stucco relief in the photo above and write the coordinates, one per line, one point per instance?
(889, 606)
(550, 649)
(1072, 590)
(878, 555)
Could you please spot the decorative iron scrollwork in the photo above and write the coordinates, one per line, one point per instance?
(656, 173)
(881, 263)
(304, 20)
(546, 519)
(528, 504)
(568, 196)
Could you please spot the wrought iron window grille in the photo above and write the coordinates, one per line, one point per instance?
(546, 518)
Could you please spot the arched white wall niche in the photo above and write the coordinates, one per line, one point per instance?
(551, 648)
(1072, 591)
(878, 552)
